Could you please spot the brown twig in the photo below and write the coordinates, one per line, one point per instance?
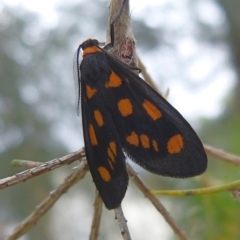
(146, 75)
(48, 166)
(43, 168)
(122, 223)
(77, 174)
(219, 153)
(145, 190)
(96, 217)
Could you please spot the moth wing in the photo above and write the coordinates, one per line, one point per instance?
(102, 143)
(152, 132)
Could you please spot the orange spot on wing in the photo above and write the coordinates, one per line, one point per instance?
(133, 139)
(175, 144)
(125, 107)
(145, 141)
(89, 50)
(152, 110)
(155, 145)
(99, 118)
(90, 91)
(113, 147)
(92, 135)
(104, 173)
(114, 80)
(112, 151)
(110, 164)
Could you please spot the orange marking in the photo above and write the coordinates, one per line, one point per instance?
(145, 141)
(90, 91)
(113, 147)
(152, 110)
(125, 107)
(105, 175)
(98, 117)
(112, 151)
(92, 135)
(90, 50)
(155, 145)
(110, 163)
(175, 144)
(114, 80)
(133, 139)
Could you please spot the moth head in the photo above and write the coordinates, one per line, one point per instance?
(89, 43)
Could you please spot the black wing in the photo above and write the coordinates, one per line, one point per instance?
(102, 143)
(152, 132)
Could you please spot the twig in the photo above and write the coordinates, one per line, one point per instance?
(77, 174)
(96, 217)
(219, 153)
(122, 223)
(25, 163)
(199, 191)
(48, 166)
(146, 192)
(146, 75)
(43, 168)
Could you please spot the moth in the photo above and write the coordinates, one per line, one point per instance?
(123, 116)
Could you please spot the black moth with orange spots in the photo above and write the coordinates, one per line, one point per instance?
(123, 116)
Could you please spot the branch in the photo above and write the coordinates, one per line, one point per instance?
(146, 75)
(77, 174)
(96, 217)
(25, 163)
(199, 191)
(55, 163)
(219, 153)
(43, 168)
(158, 205)
(122, 223)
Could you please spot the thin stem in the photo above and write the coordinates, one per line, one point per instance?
(122, 223)
(198, 191)
(43, 168)
(158, 205)
(146, 75)
(77, 174)
(96, 217)
(221, 154)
